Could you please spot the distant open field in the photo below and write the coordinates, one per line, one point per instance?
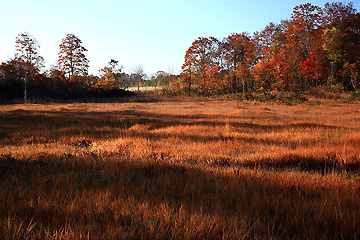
(180, 170)
(143, 89)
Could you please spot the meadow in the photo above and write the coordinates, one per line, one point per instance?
(180, 170)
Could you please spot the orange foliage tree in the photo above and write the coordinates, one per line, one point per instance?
(72, 59)
(110, 76)
(238, 53)
(315, 47)
(200, 58)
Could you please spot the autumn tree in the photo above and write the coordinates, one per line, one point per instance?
(320, 39)
(332, 44)
(111, 75)
(238, 53)
(317, 46)
(28, 57)
(300, 34)
(267, 40)
(187, 76)
(305, 19)
(341, 42)
(72, 58)
(111, 71)
(200, 58)
(268, 45)
(337, 15)
(296, 55)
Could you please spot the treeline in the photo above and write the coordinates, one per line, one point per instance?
(40, 86)
(24, 76)
(316, 48)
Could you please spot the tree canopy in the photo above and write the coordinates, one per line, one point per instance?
(315, 47)
(72, 59)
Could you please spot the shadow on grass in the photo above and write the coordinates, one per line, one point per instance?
(238, 202)
(96, 125)
(123, 120)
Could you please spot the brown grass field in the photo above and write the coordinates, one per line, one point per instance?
(180, 170)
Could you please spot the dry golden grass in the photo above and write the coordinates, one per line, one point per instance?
(185, 170)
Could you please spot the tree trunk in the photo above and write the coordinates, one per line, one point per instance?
(190, 84)
(234, 84)
(332, 74)
(25, 91)
(243, 83)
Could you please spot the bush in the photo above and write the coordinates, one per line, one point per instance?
(249, 96)
(353, 96)
(317, 93)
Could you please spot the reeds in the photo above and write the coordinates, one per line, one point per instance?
(195, 170)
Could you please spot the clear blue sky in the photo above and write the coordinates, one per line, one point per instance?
(155, 34)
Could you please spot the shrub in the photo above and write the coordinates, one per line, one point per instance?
(353, 96)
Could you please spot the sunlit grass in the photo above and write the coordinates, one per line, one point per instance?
(203, 170)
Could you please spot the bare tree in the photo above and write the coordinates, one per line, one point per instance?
(26, 54)
(139, 74)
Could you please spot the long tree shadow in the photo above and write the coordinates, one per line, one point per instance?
(117, 122)
(126, 119)
(242, 197)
